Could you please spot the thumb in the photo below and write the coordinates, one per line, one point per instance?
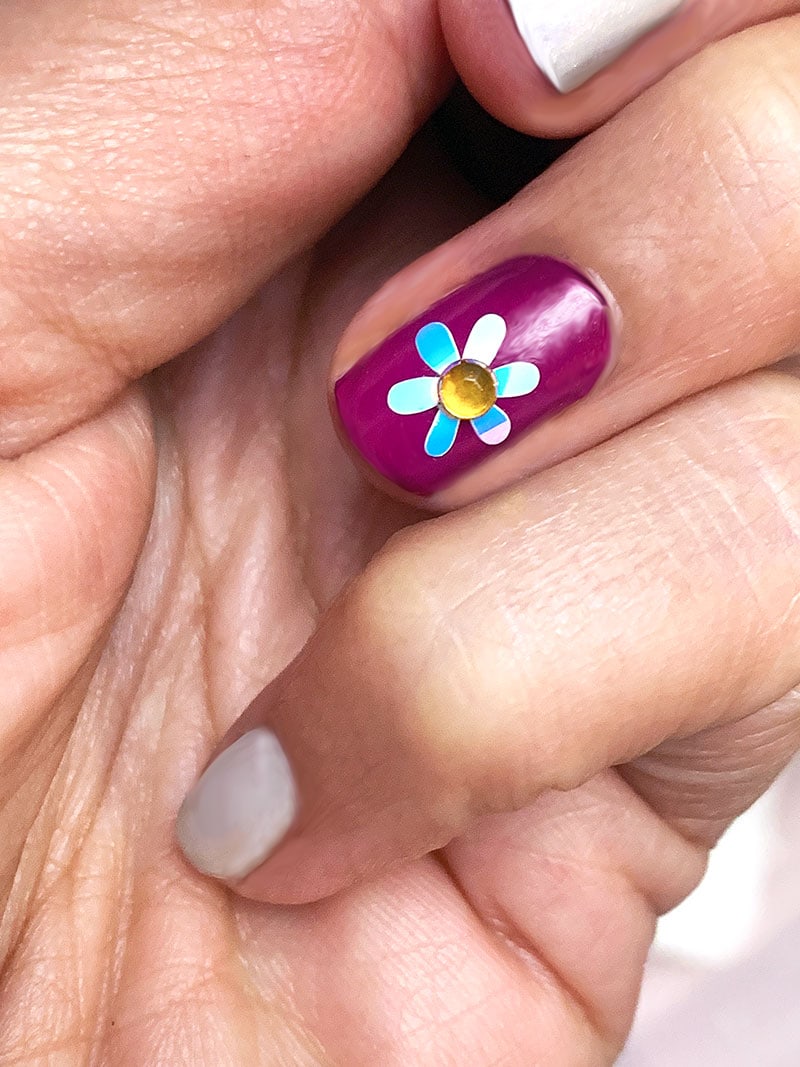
(521, 645)
(157, 166)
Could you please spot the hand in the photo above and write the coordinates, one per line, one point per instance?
(112, 950)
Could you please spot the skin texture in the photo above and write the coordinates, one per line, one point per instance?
(168, 543)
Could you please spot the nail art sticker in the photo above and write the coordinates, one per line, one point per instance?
(466, 389)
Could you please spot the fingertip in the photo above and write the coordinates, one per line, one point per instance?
(560, 70)
(241, 808)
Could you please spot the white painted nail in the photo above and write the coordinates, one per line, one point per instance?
(241, 808)
(571, 40)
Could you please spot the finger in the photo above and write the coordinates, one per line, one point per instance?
(683, 247)
(561, 69)
(571, 625)
(73, 516)
(549, 877)
(618, 853)
(701, 784)
(156, 163)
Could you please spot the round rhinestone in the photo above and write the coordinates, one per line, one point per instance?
(467, 390)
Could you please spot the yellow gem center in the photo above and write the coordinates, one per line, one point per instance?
(467, 390)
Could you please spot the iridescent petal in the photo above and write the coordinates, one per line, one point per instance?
(413, 395)
(442, 434)
(437, 347)
(493, 427)
(485, 340)
(517, 379)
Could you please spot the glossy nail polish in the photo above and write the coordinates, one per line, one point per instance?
(510, 348)
(571, 40)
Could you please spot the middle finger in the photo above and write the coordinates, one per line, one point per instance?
(684, 206)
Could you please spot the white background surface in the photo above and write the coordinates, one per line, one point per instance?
(723, 984)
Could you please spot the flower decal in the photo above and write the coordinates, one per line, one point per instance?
(465, 387)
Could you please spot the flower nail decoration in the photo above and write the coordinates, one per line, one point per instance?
(538, 311)
(465, 387)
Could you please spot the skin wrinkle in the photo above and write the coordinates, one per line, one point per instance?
(240, 456)
(745, 175)
(12, 614)
(517, 943)
(123, 933)
(33, 887)
(86, 506)
(729, 752)
(76, 844)
(74, 508)
(192, 547)
(439, 957)
(23, 887)
(300, 1031)
(23, 769)
(294, 437)
(778, 485)
(463, 673)
(701, 809)
(243, 135)
(732, 559)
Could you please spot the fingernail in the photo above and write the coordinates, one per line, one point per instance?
(510, 348)
(571, 40)
(241, 808)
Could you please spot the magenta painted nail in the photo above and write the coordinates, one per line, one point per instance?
(510, 348)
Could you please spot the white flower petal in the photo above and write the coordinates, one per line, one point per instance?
(485, 340)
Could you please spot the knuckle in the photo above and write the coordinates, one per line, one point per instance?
(747, 130)
(755, 491)
(767, 442)
(430, 637)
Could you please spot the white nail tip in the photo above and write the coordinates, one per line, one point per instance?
(241, 808)
(571, 40)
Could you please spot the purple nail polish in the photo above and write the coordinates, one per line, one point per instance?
(505, 351)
